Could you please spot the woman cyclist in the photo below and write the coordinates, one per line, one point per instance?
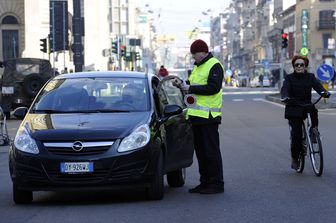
(296, 90)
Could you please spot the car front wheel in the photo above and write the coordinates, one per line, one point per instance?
(156, 189)
(22, 196)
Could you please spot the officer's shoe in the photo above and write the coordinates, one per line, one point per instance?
(197, 188)
(212, 189)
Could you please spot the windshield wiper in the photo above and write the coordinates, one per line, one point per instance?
(49, 111)
(109, 110)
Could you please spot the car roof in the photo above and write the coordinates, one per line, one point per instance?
(100, 74)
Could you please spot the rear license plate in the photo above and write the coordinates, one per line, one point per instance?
(76, 167)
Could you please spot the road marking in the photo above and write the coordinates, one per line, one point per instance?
(250, 92)
(258, 99)
(238, 100)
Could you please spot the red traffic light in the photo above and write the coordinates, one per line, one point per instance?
(284, 36)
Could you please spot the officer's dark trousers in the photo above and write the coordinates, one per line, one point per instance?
(296, 133)
(206, 140)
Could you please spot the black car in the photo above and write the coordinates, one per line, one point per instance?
(102, 130)
(21, 81)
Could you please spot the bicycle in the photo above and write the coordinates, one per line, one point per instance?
(312, 142)
(4, 137)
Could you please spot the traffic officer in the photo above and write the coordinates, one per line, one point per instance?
(205, 84)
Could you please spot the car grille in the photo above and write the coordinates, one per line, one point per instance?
(77, 148)
(96, 176)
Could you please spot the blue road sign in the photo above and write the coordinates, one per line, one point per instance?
(266, 64)
(228, 73)
(325, 72)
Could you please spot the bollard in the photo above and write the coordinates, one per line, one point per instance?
(326, 86)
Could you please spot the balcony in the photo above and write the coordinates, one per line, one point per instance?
(326, 24)
(325, 52)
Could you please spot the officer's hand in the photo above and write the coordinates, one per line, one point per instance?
(177, 83)
(326, 94)
(185, 87)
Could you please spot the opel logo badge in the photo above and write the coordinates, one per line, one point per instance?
(77, 146)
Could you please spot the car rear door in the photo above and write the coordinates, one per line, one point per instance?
(179, 137)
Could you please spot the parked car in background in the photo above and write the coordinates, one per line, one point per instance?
(102, 130)
(21, 81)
(255, 82)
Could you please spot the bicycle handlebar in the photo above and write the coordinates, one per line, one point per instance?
(304, 105)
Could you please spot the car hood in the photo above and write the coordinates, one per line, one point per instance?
(92, 126)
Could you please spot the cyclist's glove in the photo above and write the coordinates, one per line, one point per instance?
(325, 94)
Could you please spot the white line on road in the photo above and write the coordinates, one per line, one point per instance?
(238, 100)
(274, 103)
(258, 99)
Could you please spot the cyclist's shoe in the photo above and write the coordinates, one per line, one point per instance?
(295, 164)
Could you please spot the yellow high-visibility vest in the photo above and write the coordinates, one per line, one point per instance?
(205, 104)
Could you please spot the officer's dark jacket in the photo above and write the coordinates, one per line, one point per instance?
(298, 87)
(214, 85)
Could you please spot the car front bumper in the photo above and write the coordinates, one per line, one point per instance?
(42, 172)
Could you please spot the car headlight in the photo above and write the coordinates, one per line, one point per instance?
(24, 142)
(138, 138)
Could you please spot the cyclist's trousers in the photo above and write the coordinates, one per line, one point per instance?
(296, 133)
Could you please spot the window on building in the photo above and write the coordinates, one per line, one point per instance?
(10, 38)
(327, 19)
(325, 37)
(11, 20)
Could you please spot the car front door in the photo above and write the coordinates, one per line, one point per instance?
(179, 137)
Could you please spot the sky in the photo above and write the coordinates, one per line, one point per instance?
(177, 17)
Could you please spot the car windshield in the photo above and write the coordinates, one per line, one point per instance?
(93, 95)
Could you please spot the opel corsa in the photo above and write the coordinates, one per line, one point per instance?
(102, 130)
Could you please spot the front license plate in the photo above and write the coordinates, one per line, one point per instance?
(76, 167)
(7, 90)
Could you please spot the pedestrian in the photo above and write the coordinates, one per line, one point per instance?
(163, 72)
(333, 79)
(296, 90)
(205, 84)
(261, 80)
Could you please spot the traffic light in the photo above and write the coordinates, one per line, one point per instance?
(43, 45)
(123, 50)
(115, 47)
(284, 37)
(137, 56)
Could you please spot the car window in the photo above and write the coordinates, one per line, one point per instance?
(173, 94)
(26, 69)
(94, 94)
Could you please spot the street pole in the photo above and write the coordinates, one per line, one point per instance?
(282, 58)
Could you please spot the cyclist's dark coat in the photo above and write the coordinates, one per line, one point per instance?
(298, 87)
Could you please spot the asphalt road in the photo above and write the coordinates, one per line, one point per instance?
(259, 184)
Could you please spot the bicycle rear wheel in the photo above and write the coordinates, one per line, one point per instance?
(316, 152)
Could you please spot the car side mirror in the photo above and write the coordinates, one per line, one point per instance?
(171, 110)
(20, 112)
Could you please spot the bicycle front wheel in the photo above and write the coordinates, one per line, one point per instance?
(316, 152)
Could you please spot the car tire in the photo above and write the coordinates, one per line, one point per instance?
(156, 189)
(33, 83)
(176, 178)
(22, 196)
